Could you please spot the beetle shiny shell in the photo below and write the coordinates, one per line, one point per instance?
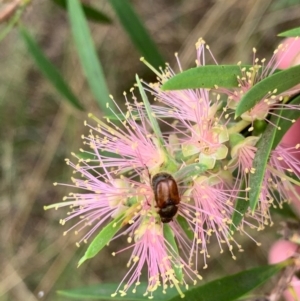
(166, 195)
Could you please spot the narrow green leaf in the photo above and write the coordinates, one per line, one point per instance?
(264, 148)
(49, 70)
(207, 76)
(87, 54)
(90, 12)
(281, 81)
(104, 291)
(295, 32)
(269, 141)
(240, 209)
(169, 236)
(232, 287)
(225, 289)
(285, 124)
(103, 238)
(137, 32)
(185, 227)
(150, 114)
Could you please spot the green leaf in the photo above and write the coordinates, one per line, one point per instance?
(173, 251)
(103, 238)
(87, 54)
(104, 291)
(269, 141)
(137, 32)
(295, 32)
(185, 227)
(281, 81)
(232, 287)
(264, 148)
(150, 114)
(49, 70)
(91, 13)
(285, 124)
(224, 289)
(207, 76)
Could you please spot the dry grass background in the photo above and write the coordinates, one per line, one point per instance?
(38, 130)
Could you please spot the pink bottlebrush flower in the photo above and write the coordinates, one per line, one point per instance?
(181, 103)
(209, 161)
(151, 249)
(282, 250)
(115, 182)
(281, 175)
(286, 162)
(242, 154)
(202, 137)
(133, 143)
(200, 127)
(285, 60)
(206, 140)
(189, 105)
(277, 186)
(117, 154)
(271, 102)
(108, 199)
(208, 207)
(105, 197)
(283, 166)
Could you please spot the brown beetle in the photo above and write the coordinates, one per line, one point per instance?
(166, 195)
